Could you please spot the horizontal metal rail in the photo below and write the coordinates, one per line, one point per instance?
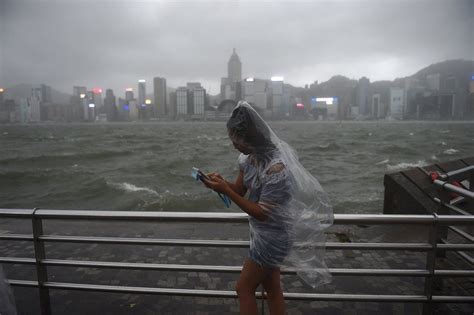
(16, 237)
(459, 173)
(452, 188)
(462, 233)
(232, 294)
(227, 269)
(205, 216)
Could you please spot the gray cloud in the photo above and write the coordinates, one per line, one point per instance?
(113, 44)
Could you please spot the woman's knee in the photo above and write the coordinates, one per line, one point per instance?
(271, 284)
(243, 290)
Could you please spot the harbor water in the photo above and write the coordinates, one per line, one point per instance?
(147, 166)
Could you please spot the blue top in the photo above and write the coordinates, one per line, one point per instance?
(269, 185)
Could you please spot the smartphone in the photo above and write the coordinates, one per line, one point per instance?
(198, 174)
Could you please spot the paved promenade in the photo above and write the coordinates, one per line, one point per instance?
(80, 302)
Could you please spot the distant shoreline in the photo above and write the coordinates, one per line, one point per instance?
(54, 123)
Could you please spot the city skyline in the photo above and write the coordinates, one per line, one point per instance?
(93, 52)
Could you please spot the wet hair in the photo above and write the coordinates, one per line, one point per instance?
(246, 126)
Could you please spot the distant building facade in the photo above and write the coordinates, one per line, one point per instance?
(160, 98)
(397, 103)
(141, 92)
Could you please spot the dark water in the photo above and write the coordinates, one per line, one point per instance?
(147, 166)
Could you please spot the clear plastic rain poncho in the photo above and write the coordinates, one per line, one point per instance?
(297, 209)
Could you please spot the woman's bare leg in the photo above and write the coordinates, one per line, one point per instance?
(250, 277)
(271, 284)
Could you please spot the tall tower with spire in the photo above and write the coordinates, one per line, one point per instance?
(234, 68)
(234, 76)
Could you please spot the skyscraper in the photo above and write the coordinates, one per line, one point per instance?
(234, 75)
(159, 93)
(182, 101)
(362, 96)
(46, 93)
(110, 106)
(129, 94)
(198, 100)
(141, 92)
(234, 68)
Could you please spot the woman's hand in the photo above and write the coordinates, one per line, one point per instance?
(217, 183)
(214, 174)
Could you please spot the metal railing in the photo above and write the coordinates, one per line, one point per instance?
(447, 206)
(41, 262)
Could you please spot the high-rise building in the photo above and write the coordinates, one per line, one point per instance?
(278, 109)
(35, 106)
(129, 94)
(397, 103)
(133, 110)
(198, 100)
(249, 90)
(46, 95)
(362, 96)
(110, 105)
(378, 107)
(172, 109)
(159, 92)
(254, 91)
(182, 101)
(234, 75)
(141, 92)
(97, 99)
(234, 68)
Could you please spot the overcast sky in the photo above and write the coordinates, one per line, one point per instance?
(112, 44)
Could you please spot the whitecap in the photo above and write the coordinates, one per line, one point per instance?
(445, 131)
(451, 151)
(382, 162)
(132, 188)
(208, 138)
(443, 143)
(404, 165)
(434, 157)
(411, 133)
(5, 133)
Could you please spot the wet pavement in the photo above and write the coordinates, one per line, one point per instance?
(82, 302)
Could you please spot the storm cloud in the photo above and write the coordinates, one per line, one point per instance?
(113, 44)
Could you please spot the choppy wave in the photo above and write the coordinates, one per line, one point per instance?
(383, 162)
(450, 151)
(147, 166)
(330, 146)
(132, 188)
(66, 156)
(405, 165)
(392, 148)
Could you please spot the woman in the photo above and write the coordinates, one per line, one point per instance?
(286, 206)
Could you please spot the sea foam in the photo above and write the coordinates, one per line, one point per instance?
(451, 151)
(404, 165)
(132, 188)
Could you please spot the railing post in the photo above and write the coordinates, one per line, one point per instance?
(263, 300)
(430, 266)
(41, 270)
